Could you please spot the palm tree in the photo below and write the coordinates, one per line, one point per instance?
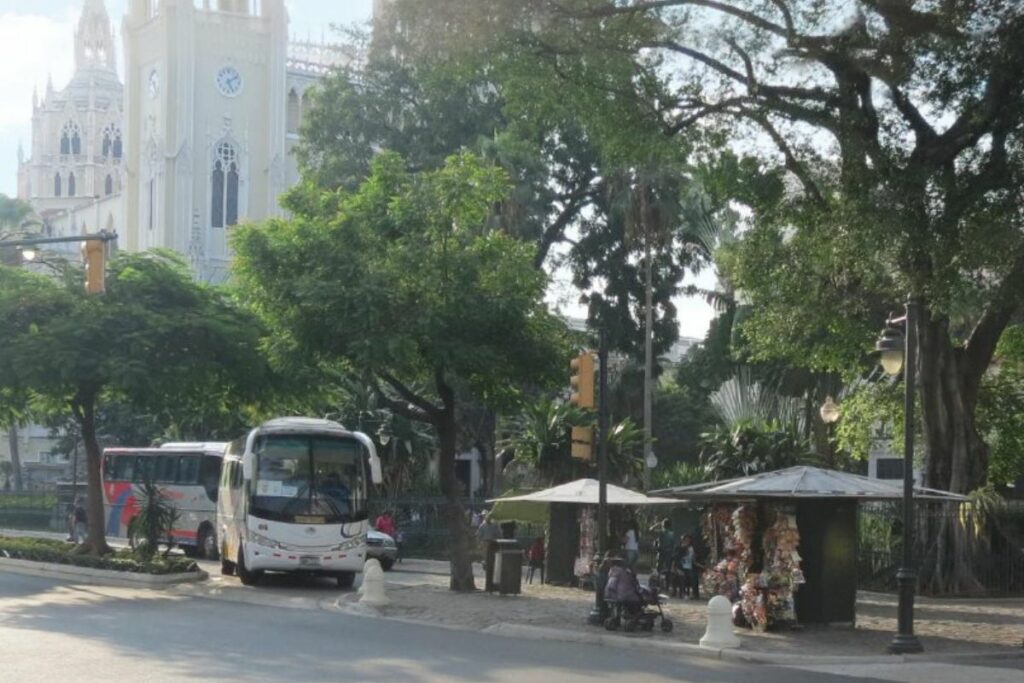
(648, 199)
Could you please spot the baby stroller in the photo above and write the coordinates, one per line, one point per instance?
(631, 605)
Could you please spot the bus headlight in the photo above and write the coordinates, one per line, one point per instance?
(264, 541)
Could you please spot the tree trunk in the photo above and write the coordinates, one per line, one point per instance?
(96, 540)
(459, 536)
(956, 455)
(12, 440)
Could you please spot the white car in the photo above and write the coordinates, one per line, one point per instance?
(382, 548)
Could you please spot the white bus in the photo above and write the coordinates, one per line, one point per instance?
(293, 498)
(186, 473)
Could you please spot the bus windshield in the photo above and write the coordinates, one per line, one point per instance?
(309, 479)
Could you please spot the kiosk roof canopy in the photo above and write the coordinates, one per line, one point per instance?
(803, 482)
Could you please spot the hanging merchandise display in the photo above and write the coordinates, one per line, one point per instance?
(755, 560)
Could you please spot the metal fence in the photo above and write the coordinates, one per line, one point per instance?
(994, 542)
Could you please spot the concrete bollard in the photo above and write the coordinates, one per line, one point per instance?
(372, 589)
(719, 635)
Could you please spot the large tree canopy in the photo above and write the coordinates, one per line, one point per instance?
(404, 281)
(568, 193)
(156, 341)
(896, 130)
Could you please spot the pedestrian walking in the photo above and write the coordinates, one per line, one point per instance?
(488, 534)
(81, 520)
(685, 569)
(666, 542)
(535, 559)
(385, 523)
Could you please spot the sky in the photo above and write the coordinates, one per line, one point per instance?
(37, 41)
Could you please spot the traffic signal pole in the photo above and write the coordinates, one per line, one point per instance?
(36, 241)
(94, 253)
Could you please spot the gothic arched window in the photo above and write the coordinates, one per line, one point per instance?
(71, 185)
(70, 139)
(111, 142)
(294, 112)
(224, 186)
(108, 185)
(56, 185)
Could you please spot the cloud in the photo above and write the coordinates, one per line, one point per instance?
(33, 45)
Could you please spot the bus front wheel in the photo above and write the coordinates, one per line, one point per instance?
(346, 579)
(247, 577)
(206, 543)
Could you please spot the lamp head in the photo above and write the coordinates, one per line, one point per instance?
(890, 350)
(829, 411)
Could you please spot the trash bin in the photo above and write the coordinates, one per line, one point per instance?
(508, 567)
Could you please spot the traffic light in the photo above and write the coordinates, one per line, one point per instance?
(94, 252)
(583, 443)
(582, 380)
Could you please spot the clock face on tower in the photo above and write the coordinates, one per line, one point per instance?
(154, 83)
(229, 81)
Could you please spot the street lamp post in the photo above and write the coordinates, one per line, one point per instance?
(892, 357)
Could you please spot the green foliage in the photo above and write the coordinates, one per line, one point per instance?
(156, 341)
(26, 501)
(153, 523)
(1001, 409)
(871, 412)
(742, 401)
(745, 449)
(678, 474)
(708, 364)
(60, 552)
(680, 418)
(404, 279)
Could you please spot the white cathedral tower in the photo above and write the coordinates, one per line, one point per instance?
(77, 141)
(213, 98)
(206, 99)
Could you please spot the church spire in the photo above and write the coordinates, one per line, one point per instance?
(94, 38)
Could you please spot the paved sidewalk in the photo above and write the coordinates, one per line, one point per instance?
(977, 627)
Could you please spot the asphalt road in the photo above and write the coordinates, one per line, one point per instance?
(53, 632)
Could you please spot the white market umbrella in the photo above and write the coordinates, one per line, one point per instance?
(584, 492)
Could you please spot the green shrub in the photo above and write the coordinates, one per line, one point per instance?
(154, 523)
(60, 552)
(28, 501)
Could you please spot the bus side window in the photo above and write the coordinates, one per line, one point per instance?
(188, 469)
(209, 473)
(236, 476)
(143, 469)
(166, 469)
(121, 468)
